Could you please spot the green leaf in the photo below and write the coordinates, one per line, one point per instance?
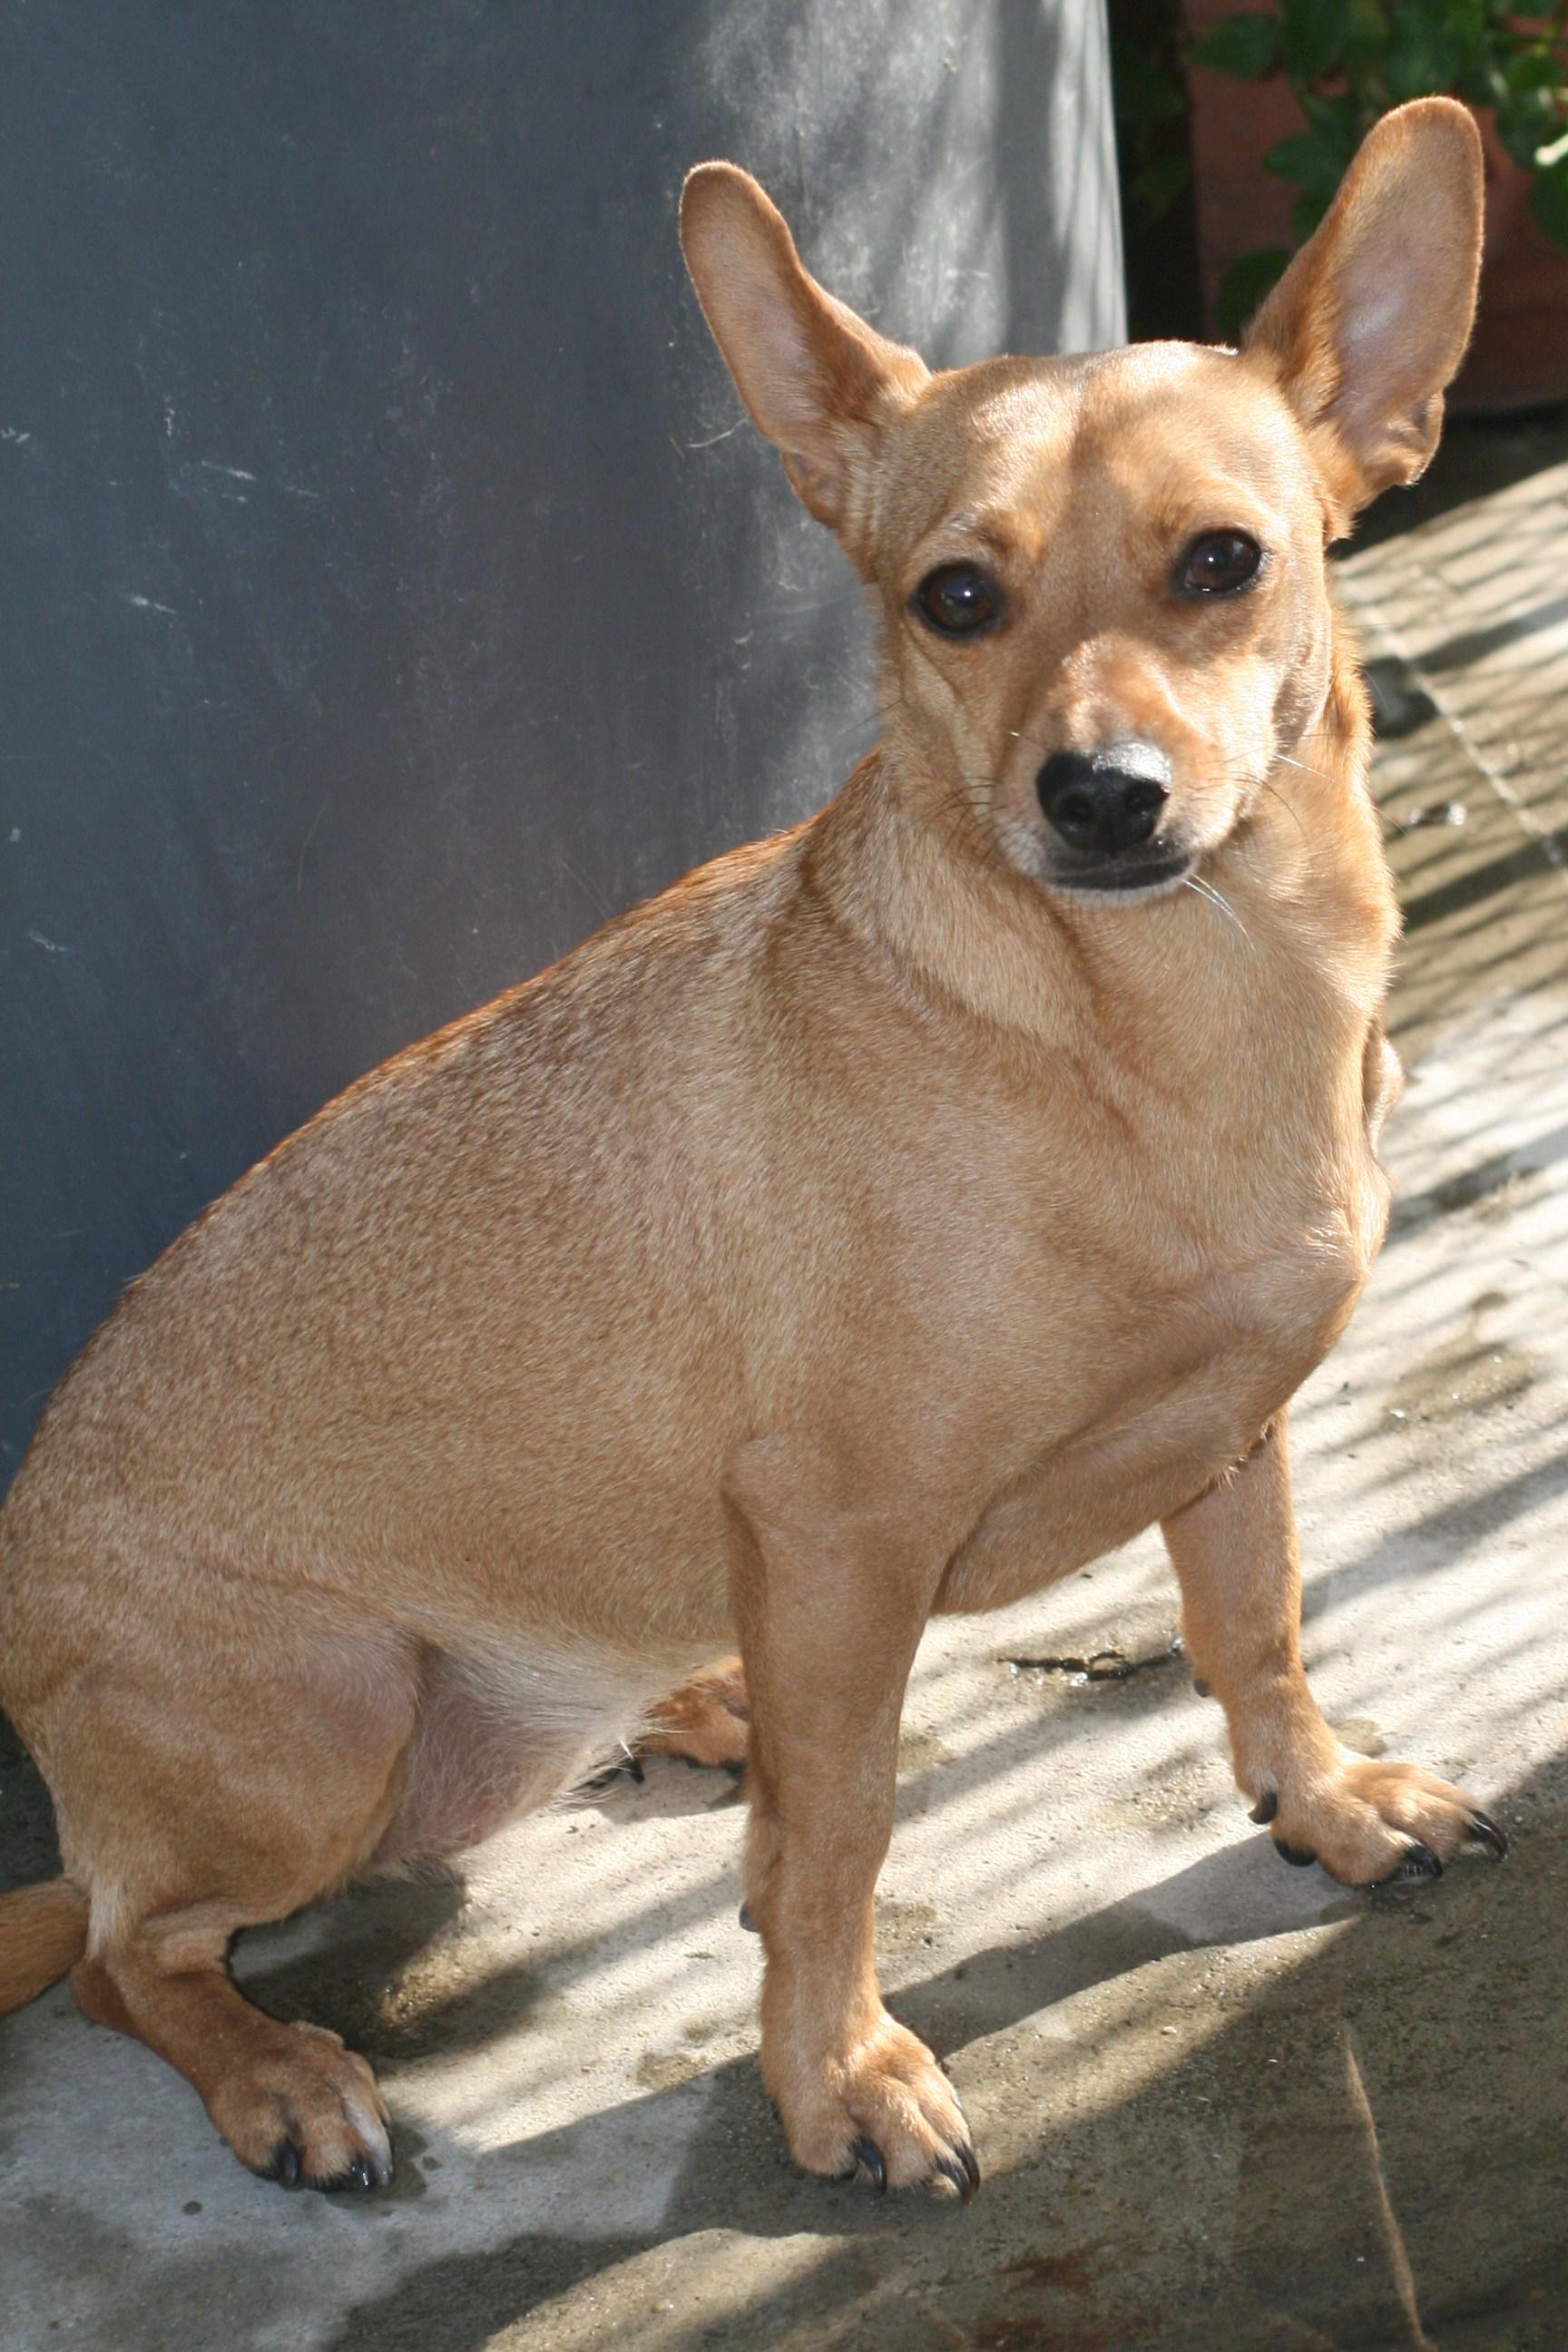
(1339, 125)
(1426, 54)
(1296, 158)
(1469, 28)
(1549, 203)
(1244, 286)
(1366, 31)
(1338, 117)
(1144, 91)
(1155, 186)
(1312, 35)
(1366, 39)
(1245, 44)
(1527, 121)
(1313, 159)
(1536, 67)
(1308, 210)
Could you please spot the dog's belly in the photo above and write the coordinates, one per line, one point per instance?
(507, 1731)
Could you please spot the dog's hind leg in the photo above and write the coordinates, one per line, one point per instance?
(188, 1818)
(706, 1721)
(290, 2101)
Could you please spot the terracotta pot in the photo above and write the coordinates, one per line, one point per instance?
(1519, 358)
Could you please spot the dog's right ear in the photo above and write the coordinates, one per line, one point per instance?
(819, 381)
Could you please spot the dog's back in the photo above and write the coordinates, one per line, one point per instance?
(499, 1275)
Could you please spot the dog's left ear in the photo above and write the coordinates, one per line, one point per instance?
(818, 381)
(1370, 320)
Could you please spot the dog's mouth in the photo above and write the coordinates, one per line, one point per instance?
(1149, 877)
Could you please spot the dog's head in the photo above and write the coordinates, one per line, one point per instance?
(1102, 579)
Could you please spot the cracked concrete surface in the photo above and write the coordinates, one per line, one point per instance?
(1220, 2102)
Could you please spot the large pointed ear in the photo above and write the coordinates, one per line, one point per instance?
(817, 381)
(1370, 320)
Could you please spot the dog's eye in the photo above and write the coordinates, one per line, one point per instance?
(957, 598)
(1218, 563)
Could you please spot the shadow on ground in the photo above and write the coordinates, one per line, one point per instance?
(1354, 2140)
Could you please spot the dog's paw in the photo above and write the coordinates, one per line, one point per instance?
(886, 2112)
(706, 1721)
(1370, 1821)
(304, 2111)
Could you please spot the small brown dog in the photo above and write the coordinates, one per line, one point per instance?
(891, 1217)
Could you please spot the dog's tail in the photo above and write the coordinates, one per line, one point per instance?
(43, 1932)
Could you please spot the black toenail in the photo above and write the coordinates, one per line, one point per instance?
(1266, 1808)
(285, 2165)
(628, 1762)
(951, 2170)
(971, 2164)
(1419, 1862)
(747, 1921)
(1296, 1856)
(362, 2173)
(866, 2153)
(1482, 1827)
(1201, 1689)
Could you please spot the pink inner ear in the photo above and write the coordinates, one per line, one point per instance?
(804, 415)
(808, 370)
(780, 340)
(815, 486)
(1370, 322)
(1398, 343)
(764, 346)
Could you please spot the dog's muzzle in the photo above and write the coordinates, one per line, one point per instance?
(1105, 808)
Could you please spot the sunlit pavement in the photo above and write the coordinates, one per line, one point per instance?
(1220, 2102)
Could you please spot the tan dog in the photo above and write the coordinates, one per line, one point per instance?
(891, 1217)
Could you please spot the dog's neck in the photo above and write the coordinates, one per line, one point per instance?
(1298, 904)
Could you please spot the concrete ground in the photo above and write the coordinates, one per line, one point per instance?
(1220, 2102)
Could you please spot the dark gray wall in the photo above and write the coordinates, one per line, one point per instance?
(389, 592)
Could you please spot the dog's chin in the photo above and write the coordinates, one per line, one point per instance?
(1122, 884)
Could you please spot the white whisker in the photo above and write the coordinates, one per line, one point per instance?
(1206, 890)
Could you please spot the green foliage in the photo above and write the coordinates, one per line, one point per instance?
(1244, 286)
(1549, 202)
(1313, 36)
(1348, 61)
(1146, 100)
(1149, 86)
(1246, 44)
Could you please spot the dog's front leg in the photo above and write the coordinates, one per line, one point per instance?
(1236, 1556)
(831, 1596)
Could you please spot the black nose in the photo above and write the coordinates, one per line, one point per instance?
(1105, 803)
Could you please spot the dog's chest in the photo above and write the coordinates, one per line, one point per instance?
(1153, 1413)
(1213, 1267)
